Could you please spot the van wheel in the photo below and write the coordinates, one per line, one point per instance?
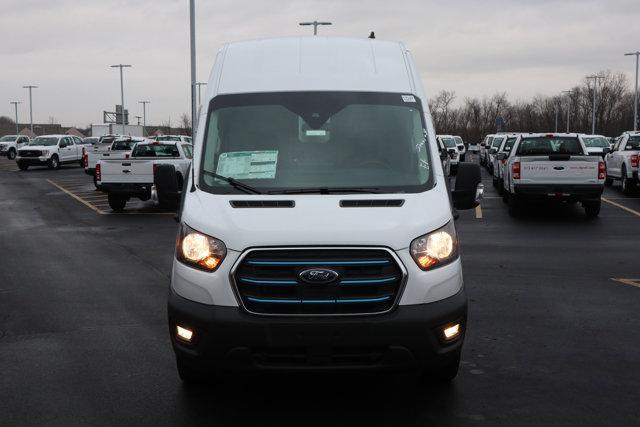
(22, 166)
(608, 181)
(11, 155)
(54, 163)
(514, 205)
(117, 203)
(592, 209)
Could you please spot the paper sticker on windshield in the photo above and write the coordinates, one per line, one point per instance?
(248, 164)
(408, 98)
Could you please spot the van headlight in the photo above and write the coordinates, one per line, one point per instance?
(435, 249)
(199, 250)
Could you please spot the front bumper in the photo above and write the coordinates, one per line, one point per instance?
(578, 192)
(142, 191)
(228, 338)
(33, 161)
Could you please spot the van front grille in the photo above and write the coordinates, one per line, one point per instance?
(281, 281)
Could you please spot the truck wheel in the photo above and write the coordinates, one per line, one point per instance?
(592, 209)
(514, 205)
(627, 183)
(608, 181)
(54, 163)
(95, 182)
(22, 166)
(117, 203)
(11, 154)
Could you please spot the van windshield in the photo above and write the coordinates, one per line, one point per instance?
(448, 142)
(333, 141)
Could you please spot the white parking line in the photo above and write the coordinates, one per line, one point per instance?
(632, 211)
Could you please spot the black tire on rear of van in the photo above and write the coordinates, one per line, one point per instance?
(117, 202)
(592, 209)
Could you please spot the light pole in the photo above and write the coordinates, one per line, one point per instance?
(200, 84)
(192, 42)
(15, 104)
(568, 92)
(315, 25)
(556, 111)
(144, 116)
(635, 103)
(121, 66)
(30, 87)
(595, 78)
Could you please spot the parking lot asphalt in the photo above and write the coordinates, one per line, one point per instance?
(553, 337)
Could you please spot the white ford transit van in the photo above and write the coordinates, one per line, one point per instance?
(316, 226)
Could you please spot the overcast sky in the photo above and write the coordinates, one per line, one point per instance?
(472, 47)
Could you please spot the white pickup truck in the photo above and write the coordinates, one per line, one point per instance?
(554, 166)
(449, 142)
(622, 161)
(134, 177)
(500, 160)
(9, 145)
(51, 151)
(118, 149)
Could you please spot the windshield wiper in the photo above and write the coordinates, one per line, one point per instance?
(327, 190)
(234, 183)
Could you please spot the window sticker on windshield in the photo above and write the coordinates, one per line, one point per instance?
(248, 164)
(408, 98)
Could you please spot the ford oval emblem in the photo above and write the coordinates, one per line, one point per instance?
(318, 276)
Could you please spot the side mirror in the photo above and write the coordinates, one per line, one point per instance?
(443, 155)
(501, 156)
(452, 152)
(62, 145)
(469, 188)
(493, 151)
(606, 150)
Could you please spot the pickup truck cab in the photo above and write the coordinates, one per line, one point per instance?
(485, 145)
(119, 148)
(461, 147)
(597, 145)
(175, 138)
(622, 161)
(123, 179)
(500, 160)
(555, 167)
(51, 151)
(9, 145)
(316, 227)
(449, 143)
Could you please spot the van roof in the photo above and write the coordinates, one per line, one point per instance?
(312, 63)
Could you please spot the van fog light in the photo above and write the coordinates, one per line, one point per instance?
(451, 332)
(183, 333)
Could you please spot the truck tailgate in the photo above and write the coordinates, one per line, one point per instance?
(559, 169)
(126, 171)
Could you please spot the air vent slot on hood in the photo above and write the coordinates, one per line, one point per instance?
(262, 203)
(372, 203)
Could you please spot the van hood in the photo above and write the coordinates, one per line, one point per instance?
(317, 219)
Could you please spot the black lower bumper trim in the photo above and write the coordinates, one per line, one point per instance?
(227, 338)
(580, 192)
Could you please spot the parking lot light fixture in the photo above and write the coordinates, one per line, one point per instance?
(30, 87)
(635, 101)
(144, 116)
(315, 25)
(595, 78)
(15, 104)
(568, 92)
(121, 66)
